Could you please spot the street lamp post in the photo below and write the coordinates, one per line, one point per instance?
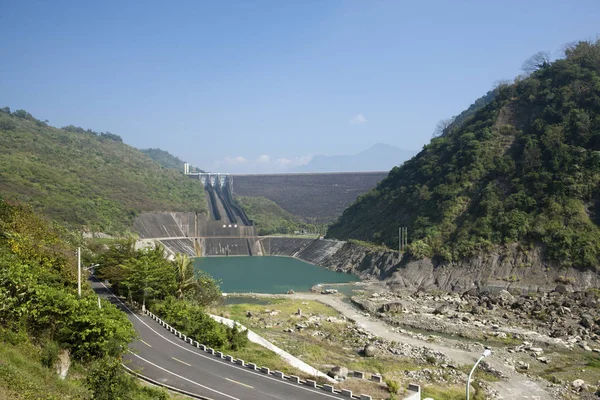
(486, 353)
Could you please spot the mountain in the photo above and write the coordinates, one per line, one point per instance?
(83, 178)
(524, 169)
(380, 157)
(167, 159)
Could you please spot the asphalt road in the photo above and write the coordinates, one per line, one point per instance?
(161, 356)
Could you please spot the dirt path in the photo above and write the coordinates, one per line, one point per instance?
(517, 386)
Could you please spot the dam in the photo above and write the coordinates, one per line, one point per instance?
(227, 231)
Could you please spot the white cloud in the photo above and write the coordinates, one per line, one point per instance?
(261, 164)
(284, 161)
(358, 119)
(235, 160)
(263, 159)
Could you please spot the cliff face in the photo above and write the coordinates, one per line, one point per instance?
(506, 268)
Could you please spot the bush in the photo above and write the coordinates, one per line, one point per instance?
(393, 386)
(50, 354)
(192, 321)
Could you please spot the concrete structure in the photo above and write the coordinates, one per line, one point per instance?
(413, 392)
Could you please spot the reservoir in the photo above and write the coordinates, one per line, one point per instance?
(267, 274)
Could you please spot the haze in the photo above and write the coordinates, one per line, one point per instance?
(264, 86)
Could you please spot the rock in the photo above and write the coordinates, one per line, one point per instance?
(543, 360)
(578, 384)
(586, 321)
(291, 291)
(63, 363)
(503, 297)
(299, 312)
(369, 350)
(537, 350)
(560, 288)
(522, 365)
(393, 307)
(329, 291)
(441, 310)
(249, 314)
(338, 372)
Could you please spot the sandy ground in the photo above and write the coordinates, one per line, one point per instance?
(517, 386)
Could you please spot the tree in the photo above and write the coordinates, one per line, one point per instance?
(149, 275)
(535, 62)
(442, 126)
(184, 275)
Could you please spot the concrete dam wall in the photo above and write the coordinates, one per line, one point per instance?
(313, 197)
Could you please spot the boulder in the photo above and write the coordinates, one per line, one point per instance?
(369, 350)
(561, 288)
(586, 321)
(578, 384)
(291, 291)
(441, 310)
(393, 307)
(338, 372)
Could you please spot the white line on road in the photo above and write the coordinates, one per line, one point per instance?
(214, 360)
(145, 343)
(183, 377)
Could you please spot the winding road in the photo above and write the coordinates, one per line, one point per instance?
(164, 358)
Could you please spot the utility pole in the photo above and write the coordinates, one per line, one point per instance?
(78, 271)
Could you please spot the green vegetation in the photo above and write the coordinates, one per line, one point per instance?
(171, 289)
(86, 179)
(42, 319)
(168, 160)
(524, 168)
(270, 219)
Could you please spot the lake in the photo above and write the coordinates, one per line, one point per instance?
(268, 274)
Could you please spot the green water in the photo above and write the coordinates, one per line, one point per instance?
(268, 274)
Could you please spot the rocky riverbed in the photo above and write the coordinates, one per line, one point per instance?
(554, 335)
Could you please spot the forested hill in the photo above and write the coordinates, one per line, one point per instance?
(86, 179)
(524, 168)
(168, 160)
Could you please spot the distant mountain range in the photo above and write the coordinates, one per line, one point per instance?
(379, 157)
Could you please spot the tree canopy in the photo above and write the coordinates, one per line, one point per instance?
(522, 169)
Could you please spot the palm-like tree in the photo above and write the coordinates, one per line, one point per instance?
(185, 276)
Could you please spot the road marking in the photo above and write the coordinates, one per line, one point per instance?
(145, 343)
(183, 377)
(213, 359)
(183, 362)
(240, 383)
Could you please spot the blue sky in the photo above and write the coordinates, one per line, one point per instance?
(241, 86)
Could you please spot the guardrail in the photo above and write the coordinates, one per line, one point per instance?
(265, 370)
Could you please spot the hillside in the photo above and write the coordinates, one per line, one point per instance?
(522, 169)
(86, 179)
(269, 218)
(167, 159)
